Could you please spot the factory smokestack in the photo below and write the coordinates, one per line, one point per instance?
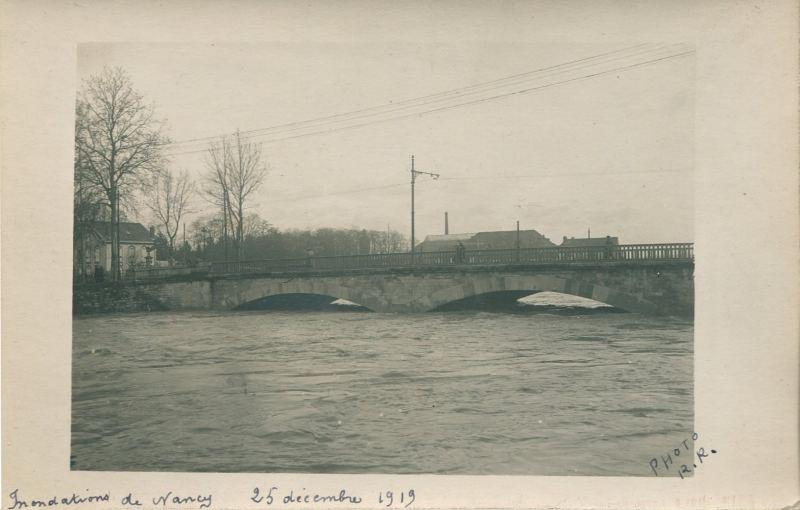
(446, 225)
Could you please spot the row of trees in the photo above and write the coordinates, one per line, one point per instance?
(121, 164)
(205, 242)
(262, 240)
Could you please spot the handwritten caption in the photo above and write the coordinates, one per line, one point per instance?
(682, 452)
(263, 496)
(168, 499)
(387, 498)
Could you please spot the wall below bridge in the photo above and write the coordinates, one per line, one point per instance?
(141, 297)
(666, 288)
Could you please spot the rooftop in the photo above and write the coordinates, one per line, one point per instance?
(129, 232)
(504, 234)
(447, 237)
(497, 239)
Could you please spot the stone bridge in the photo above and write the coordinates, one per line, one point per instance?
(652, 287)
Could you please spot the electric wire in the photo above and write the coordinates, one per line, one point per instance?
(436, 96)
(496, 177)
(460, 104)
(415, 103)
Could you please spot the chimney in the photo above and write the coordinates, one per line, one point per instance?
(565, 239)
(446, 225)
(152, 230)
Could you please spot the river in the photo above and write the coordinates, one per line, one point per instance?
(551, 390)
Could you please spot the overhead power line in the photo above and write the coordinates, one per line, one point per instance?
(566, 174)
(457, 99)
(467, 178)
(336, 193)
(436, 96)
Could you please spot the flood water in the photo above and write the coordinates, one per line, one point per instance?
(548, 391)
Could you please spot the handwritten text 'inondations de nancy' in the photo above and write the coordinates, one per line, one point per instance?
(170, 499)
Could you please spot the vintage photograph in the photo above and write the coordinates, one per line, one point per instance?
(467, 258)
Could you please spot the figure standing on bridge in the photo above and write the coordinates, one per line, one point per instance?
(461, 253)
(609, 249)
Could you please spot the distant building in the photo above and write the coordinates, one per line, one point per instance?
(498, 240)
(442, 242)
(506, 239)
(137, 247)
(582, 242)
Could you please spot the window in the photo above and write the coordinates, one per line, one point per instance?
(131, 255)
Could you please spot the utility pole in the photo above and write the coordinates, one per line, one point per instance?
(225, 222)
(185, 254)
(517, 240)
(414, 174)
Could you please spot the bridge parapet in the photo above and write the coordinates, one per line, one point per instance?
(578, 256)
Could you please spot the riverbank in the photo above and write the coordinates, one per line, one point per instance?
(103, 298)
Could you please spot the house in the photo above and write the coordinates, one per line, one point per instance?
(137, 247)
(507, 239)
(582, 242)
(496, 240)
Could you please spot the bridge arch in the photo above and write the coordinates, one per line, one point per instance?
(300, 301)
(494, 300)
(238, 294)
(517, 286)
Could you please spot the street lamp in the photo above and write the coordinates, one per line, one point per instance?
(204, 234)
(414, 174)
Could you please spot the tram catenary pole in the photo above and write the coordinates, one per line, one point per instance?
(414, 174)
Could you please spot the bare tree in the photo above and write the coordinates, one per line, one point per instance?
(216, 185)
(246, 176)
(88, 208)
(168, 196)
(118, 141)
(236, 171)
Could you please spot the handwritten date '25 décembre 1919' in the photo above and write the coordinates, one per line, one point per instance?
(387, 498)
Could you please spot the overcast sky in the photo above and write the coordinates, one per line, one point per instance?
(613, 153)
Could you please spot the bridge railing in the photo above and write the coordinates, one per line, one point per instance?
(151, 273)
(528, 256)
(681, 251)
